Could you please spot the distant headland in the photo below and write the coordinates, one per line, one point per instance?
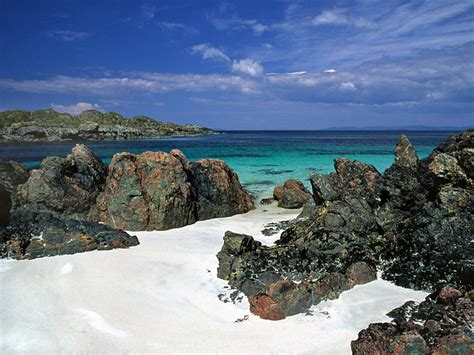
(50, 125)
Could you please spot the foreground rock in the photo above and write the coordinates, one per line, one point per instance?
(33, 234)
(157, 191)
(65, 186)
(12, 174)
(292, 194)
(442, 324)
(49, 125)
(414, 223)
(58, 207)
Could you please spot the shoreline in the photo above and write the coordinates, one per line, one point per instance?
(146, 298)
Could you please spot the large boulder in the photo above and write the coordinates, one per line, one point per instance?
(293, 194)
(147, 192)
(218, 190)
(439, 325)
(158, 191)
(65, 186)
(433, 242)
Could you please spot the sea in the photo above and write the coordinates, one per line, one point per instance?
(262, 159)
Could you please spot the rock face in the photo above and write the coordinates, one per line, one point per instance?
(32, 234)
(67, 186)
(292, 194)
(156, 191)
(12, 174)
(146, 192)
(439, 325)
(49, 125)
(414, 223)
(218, 190)
(52, 205)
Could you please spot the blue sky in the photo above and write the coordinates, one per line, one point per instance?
(243, 64)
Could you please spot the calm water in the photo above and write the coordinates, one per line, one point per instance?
(262, 159)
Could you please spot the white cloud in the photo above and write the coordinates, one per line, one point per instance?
(248, 67)
(330, 17)
(338, 17)
(171, 25)
(348, 86)
(68, 36)
(267, 46)
(297, 72)
(76, 109)
(330, 71)
(143, 82)
(209, 52)
(258, 28)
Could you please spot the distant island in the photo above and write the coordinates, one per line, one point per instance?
(50, 125)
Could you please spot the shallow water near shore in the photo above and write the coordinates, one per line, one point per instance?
(262, 159)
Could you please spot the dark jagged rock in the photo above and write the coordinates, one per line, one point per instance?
(405, 154)
(273, 228)
(34, 234)
(218, 190)
(157, 191)
(66, 186)
(292, 194)
(442, 324)
(309, 208)
(433, 242)
(12, 174)
(267, 201)
(49, 125)
(414, 223)
(252, 268)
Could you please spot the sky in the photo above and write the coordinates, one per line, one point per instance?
(281, 64)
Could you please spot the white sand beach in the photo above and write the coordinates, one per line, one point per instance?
(162, 297)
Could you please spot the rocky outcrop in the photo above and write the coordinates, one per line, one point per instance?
(12, 174)
(49, 125)
(33, 234)
(442, 324)
(149, 191)
(292, 194)
(218, 190)
(66, 186)
(259, 271)
(157, 191)
(414, 223)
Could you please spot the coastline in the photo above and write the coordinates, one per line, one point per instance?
(144, 299)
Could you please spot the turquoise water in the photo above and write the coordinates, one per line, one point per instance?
(262, 159)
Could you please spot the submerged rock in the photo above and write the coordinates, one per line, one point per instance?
(439, 325)
(292, 194)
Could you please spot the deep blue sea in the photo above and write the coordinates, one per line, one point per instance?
(262, 159)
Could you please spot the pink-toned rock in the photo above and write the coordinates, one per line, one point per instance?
(293, 194)
(282, 298)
